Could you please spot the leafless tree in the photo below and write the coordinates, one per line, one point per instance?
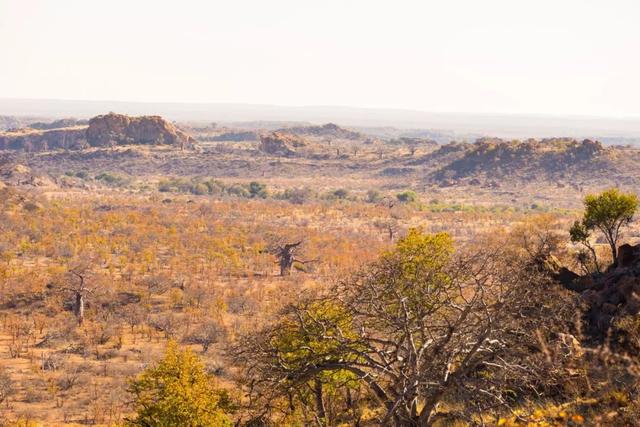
(287, 254)
(414, 341)
(208, 333)
(6, 386)
(77, 285)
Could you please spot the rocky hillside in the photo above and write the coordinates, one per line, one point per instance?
(548, 159)
(101, 131)
(611, 299)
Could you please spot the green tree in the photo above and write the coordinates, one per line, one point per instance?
(607, 212)
(178, 392)
(258, 190)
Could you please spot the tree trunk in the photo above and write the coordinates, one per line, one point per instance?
(322, 413)
(79, 308)
(286, 262)
(614, 253)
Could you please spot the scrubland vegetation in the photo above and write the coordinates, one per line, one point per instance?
(317, 277)
(140, 309)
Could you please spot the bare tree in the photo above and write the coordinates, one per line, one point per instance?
(287, 254)
(416, 329)
(79, 290)
(208, 333)
(6, 386)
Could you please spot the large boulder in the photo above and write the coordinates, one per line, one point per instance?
(281, 144)
(628, 256)
(119, 129)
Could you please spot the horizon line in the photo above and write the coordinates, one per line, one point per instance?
(329, 106)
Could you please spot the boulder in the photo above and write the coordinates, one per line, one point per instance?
(628, 255)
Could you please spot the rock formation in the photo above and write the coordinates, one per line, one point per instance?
(118, 129)
(531, 160)
(281, 144)
(106, 130)
(608, 296)
(30, 140)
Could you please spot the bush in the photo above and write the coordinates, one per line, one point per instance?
(373, 196)
(258, 190)
(340, 193)
(178, 392)
(407, 196)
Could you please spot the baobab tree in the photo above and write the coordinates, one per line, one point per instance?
(288, 254)
(79, 289)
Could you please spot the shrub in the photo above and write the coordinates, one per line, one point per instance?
(373, 196)
(407, 196)
(178, 392)
(257, 190)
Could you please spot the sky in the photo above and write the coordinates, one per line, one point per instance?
(558, 57)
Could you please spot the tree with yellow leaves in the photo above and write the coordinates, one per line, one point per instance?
(178, 392)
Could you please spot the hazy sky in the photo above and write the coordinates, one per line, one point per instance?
(511, 56)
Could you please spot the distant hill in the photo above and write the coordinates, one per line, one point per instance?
(547, 159)
(329, 130)
(13, 122)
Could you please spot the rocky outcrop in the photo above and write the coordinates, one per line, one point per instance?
(531, 159)
(609, 296)
(281, 144)
(102, 131)
(118, 129)
(30, 140)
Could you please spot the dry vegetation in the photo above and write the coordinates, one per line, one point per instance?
(109, 254)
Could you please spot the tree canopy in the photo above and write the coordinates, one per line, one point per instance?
(415, 328)
(607, 212)
(178, 391)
